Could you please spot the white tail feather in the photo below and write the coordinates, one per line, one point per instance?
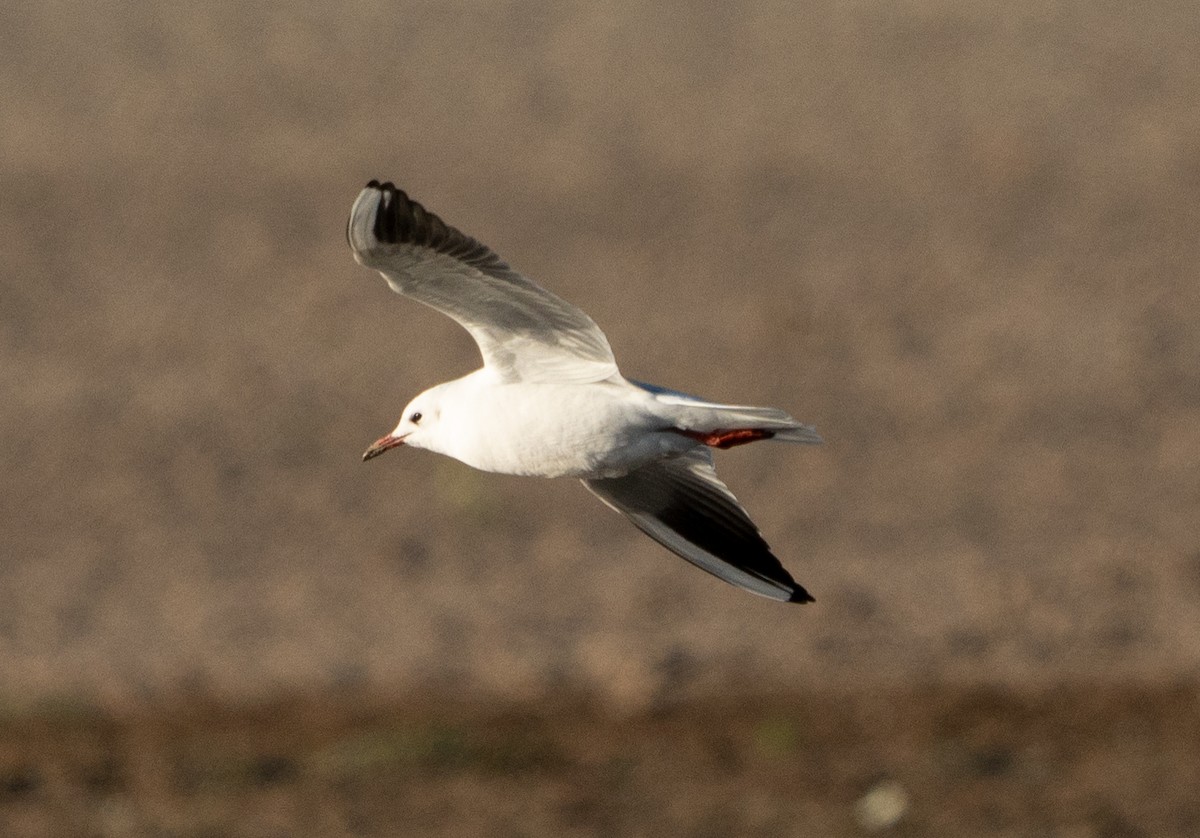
(709, 416)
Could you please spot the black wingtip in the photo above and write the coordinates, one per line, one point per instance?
(387, 217)
(801, 596)
(401, 220)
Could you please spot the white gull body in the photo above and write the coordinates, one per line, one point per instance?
(549, 400)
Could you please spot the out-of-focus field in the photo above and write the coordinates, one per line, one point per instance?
(960, 239)
(1092, 760)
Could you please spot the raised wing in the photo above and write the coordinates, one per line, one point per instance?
(683, 505)
(524, 332)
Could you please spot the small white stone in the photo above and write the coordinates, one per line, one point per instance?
(882, 807)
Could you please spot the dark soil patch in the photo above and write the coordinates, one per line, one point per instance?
(1077, 760)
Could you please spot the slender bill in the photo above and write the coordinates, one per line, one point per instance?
(381, 445)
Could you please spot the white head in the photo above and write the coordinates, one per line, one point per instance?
(418, 426)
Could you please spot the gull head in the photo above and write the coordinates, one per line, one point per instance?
(417, 426)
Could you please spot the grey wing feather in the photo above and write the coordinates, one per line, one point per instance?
(683, 505)
(524, 332)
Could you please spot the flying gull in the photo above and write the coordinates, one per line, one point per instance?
(549, 400)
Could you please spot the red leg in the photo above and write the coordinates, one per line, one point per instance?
(727, 439)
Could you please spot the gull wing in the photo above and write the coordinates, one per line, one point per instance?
(524, 332)
(683, 505)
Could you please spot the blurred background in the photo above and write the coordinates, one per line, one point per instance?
(959, 238)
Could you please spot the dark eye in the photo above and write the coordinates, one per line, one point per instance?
(416, 417)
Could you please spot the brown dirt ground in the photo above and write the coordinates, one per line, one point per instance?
(1086, 760)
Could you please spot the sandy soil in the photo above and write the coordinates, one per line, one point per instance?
(959, 239)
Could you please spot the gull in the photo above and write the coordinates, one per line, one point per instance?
(549, 400)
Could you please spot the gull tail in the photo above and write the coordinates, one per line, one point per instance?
(726, 425)
(729, 425)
